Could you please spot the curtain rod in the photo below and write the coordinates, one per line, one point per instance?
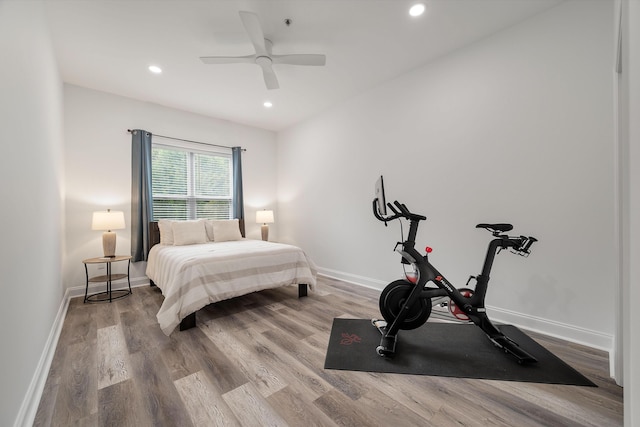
(188, 140)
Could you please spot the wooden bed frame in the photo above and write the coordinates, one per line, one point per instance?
(190, 321)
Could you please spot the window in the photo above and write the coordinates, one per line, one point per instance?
(190, 184)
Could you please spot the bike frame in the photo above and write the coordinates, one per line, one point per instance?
(472, 306)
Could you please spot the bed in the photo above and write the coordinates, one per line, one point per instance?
(196, 263)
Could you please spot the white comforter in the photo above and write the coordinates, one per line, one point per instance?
(193, 276)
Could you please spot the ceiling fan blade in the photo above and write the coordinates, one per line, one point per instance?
(299, 59)
(254, 30)
(228, 59)
(270, 78)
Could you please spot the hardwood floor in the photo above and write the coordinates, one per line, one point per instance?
(258, 360)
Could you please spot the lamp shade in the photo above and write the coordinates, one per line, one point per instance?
(108, 220)
(264, 217)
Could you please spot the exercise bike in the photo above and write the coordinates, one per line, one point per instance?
(406, 304)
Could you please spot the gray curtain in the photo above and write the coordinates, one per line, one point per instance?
(238, 201)
(141, 197)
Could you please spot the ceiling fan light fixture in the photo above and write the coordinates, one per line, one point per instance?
(417, 9)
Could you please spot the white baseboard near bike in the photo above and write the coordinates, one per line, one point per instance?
(551, 328)
(353, 278)
(548, 327)
(578, 335)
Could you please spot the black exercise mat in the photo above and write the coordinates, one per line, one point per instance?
(445, 349)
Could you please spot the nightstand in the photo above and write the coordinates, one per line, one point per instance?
(109, 294)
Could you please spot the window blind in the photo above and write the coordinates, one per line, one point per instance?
(190, 184)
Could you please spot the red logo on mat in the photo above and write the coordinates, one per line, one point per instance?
(348, 339)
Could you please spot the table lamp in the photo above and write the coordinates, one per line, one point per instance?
(107, 220)
(265, 217)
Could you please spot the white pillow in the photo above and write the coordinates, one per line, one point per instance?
(208, 225)
(226, 230)
(189, 232)
(166, 233)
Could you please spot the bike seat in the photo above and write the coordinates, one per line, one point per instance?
(496, 227)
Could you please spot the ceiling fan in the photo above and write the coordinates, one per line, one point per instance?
(263, 56)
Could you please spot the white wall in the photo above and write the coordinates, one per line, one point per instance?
(98, 166)
(31, 194)
(515, 128)
(629, 138)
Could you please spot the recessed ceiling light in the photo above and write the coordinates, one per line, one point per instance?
(268, 104)
(417, 9)
(155, 69)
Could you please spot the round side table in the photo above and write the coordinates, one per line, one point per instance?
(110, 294)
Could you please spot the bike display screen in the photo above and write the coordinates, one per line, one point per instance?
(379, 192)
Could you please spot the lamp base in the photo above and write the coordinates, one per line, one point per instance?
(265, 232)
(109, 244)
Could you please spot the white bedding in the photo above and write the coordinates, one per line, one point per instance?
(193, 276)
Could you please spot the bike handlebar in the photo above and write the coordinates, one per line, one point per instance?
(399, 211)
(380, 217)
(525, 246)
(390, 206)
(408, 214)
(520, 245)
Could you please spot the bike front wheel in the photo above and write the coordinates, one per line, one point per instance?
(392, 300)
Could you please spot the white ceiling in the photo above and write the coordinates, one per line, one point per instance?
(107, 45)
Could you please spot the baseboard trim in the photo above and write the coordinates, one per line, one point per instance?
(578, 335)
(29, 407)
(572, 333)
(552, 328)
(353, 278)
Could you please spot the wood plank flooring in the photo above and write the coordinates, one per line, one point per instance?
(258, 360)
